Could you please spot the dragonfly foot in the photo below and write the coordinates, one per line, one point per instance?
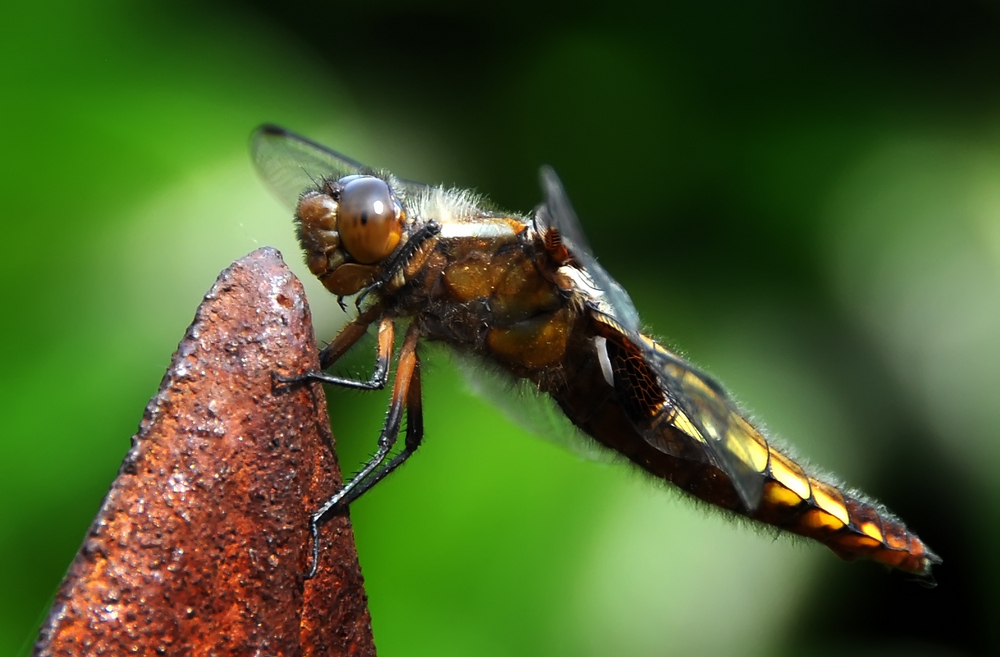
(279, 381)
(334, 507)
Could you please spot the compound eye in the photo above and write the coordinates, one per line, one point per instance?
(371, 219)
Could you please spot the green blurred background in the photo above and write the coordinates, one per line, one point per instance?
(804, 197)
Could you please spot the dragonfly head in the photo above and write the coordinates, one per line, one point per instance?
(346, 227)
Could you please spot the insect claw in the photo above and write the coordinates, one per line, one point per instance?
(358, 300)
(279, 381)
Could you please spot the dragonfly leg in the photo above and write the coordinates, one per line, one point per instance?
(414, 435)
(405, 395)
(395, 262)
(346, 339)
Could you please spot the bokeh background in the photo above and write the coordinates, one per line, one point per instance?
(803, 197)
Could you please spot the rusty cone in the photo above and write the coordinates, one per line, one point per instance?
(199, 547)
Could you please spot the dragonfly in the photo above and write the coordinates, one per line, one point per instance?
(525, 295)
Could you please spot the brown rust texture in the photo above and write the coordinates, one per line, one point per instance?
(199, 546)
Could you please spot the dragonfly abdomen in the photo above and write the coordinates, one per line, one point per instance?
(791, 499)
(843, 521)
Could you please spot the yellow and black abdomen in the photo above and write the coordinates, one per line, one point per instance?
(850, 525)
(696, 451)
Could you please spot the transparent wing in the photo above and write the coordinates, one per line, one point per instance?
(290, 164)
(557, 213)
(521, 402)
(700, 407)
(561, 212)
(732, 443)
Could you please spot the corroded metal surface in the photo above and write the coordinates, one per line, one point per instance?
(199, 547)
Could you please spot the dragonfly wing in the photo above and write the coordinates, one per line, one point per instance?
(556, 213)
(703, 410)
(696, 406)
(521, 401)
(291, 164)
(561, 214)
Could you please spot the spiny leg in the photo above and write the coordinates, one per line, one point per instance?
(348, 336)
(346, 339)
(405, 394)
(414, 434)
